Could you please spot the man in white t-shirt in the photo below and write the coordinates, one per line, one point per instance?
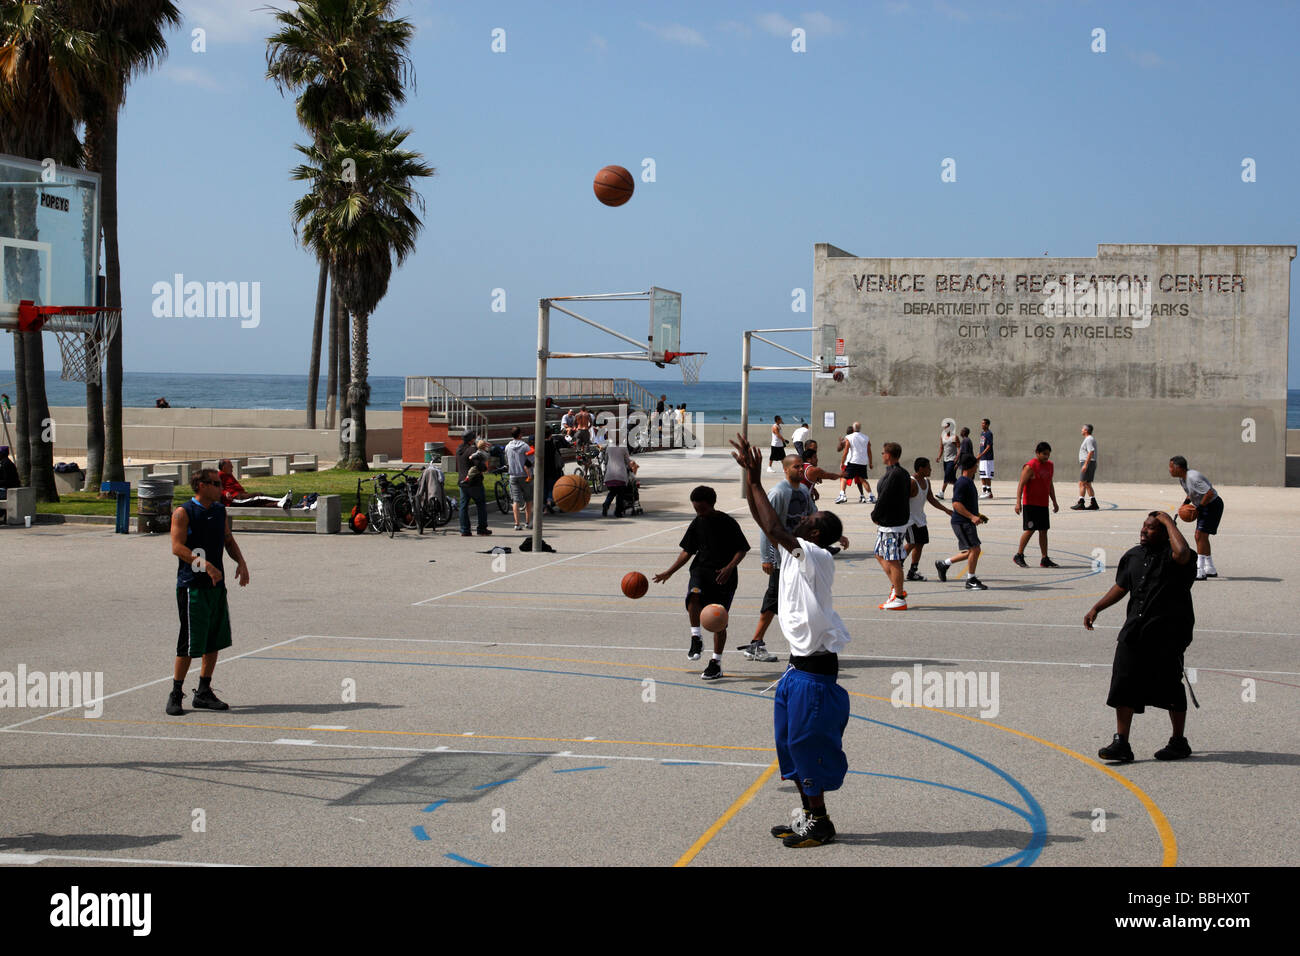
(799, 437)
(858, 460)
(1087, 470)
(521, 473)
(811, 708)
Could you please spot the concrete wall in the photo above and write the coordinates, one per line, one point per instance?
(974, 338)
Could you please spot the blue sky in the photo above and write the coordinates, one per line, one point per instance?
(759, 153)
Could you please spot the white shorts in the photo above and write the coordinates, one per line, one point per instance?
(986, 468)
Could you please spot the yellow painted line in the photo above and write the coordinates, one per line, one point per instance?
(731, 811)
(1161, 822)
(423, 733)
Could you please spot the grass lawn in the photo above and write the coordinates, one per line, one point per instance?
(335, 481)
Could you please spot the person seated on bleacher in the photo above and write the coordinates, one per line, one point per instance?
(568, 423)
(233, 493)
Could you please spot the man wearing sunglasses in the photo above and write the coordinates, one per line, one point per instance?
(200, 536)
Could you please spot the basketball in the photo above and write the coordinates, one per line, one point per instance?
(838, 376)
(635, 584)
(613, 185)
(571, 493)
(1187, 512)
(714, 618)
(358, 523)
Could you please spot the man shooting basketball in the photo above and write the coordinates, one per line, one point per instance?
(811, 709)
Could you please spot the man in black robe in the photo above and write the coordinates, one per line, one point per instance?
(1157, 575)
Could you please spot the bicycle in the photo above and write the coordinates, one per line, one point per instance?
(590, 466)
(383, 512)
(503, 488)
(404, 495)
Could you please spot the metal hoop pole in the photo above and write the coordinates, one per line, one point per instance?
(539, 422)
(744, 403)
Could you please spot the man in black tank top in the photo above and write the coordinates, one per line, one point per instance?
(200, 537)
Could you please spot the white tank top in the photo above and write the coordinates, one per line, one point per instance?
(776, 439)
(917, 504)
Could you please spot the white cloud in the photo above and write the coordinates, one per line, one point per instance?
(775, 24)
(190, 77)
(1147, 59)
(814, 23)
(735, 26)
(675, 33)
(232, 21)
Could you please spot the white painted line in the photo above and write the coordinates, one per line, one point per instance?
(440, 749)
(292, 741)
(357, 819)
(161, 680)
(468, 733)
(116, 860)
(7, 859)
(327, 727)
(588, 738)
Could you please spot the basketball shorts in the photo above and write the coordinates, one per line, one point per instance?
(704, 584)
(1088, 472)
(519, 489)
(889, 545)
(777, 453)
(771, 594)
(1035, 517)
(918, 535)
(986, 468)
(967, 536)
(950, 472)
(809, 715)
(1207, 518)
(852, 471)
(205, 621)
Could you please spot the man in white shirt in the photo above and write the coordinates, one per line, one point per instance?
(811, 708)
(520, 475)
(857, 462)
(1087, 471)
(799, 437)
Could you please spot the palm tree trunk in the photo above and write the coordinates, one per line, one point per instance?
(113, 446)
(21, 458)
(94, 435)
(40, 437)
(332, 377)
(313, 370)
(346, 429)
(359, 390)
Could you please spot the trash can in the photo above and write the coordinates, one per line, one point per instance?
(429, 446)
(155, 505)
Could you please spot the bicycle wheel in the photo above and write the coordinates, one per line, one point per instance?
(375, 514)
(404, 510)
(503, 494)
(390, 516)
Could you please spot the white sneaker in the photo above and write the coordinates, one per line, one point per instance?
(840, 500)
(895, 603)
(939, 496)
(871, 498)
(862, 499)
(519, 527)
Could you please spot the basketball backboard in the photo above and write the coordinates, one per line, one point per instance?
(827, 342)
(665, 323)
(49, 235)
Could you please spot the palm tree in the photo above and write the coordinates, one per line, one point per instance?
(349, 59)
(366, 220)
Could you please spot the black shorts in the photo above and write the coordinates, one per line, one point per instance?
(1035, 517)
(704, 582)
(778, 453)
(855, 471)
(967, 536)
(950, 472)
(918, 534)
(1208, 518)
(770, 595)
(1088, 472)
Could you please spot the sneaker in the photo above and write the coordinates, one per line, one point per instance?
(872, 499)
(1048, 563)
(1093, 506)
(1119, 750)
(467, 534)
(939, 496)
(811, 831)
(841, 499)
(208, 700)
(286, 502)
(942, 569)
(862, 499)
(1080, 506)
(486, 531)
(1176, 749)
(713, 671)
(1020, 561)
(975, 584)
(895, 603)
(519, 527)
(1200, 575)
(912, 574)
(1211, 572)
(757, 651)
(797, 816)
(174, 708)
(697, 646)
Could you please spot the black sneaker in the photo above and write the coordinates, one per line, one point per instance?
(713, 671)
(1078, 506)
(912, 574)
(1176, 749)
(485, 531)
(1048, 563)
(697, 646)
(1020, 561)
(796, 819)
(975, 584)
(942, 569)
(174, 708)
(208, 700)
(811, 831)
(1119, 750)
(1092, 505)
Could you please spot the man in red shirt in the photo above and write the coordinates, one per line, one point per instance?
(1032, 494)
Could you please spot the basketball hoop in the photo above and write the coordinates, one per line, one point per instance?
(83, 334)
(690, 364)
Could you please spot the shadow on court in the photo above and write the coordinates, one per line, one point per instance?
(982, 839)
(35, 842)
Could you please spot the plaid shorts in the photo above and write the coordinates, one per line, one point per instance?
(889, 545)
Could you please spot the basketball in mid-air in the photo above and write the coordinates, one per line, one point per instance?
(613, 185)
(838, 376)
(714, 618)
(1187, 512)
(571, 493)
(635, 584)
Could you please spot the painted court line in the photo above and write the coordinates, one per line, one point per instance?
(6, 858)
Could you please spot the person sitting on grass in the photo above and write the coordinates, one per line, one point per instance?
(234, 495)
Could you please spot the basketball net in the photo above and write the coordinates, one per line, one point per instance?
(84, 351)
(690, 363)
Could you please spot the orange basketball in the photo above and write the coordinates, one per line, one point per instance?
(1187, 512)
(714, 618)
(635, 584)
(838, 376)
(613, 185)
(571, 493)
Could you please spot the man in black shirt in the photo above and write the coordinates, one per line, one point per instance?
(1157, 575)
(892, 513)
(718, 544)
(470, 487)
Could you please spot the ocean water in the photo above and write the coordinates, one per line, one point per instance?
(716, 401)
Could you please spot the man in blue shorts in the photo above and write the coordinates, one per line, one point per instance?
(718, 544)
(965, 517)
(1209, 512)
(200, 536)
(811, 709)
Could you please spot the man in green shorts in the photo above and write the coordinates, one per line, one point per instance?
(200, 535)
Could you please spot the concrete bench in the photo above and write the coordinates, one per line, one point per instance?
(379, 461)
(177, 471)
(329, 509)
(303, 463)
(137, 473)
(18, 505)
(256, 468)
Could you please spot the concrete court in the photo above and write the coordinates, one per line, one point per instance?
(503, 717)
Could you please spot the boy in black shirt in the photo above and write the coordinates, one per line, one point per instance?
(717, 542)
(965, 518)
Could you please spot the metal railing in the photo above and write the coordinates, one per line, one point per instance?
(448, 394)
